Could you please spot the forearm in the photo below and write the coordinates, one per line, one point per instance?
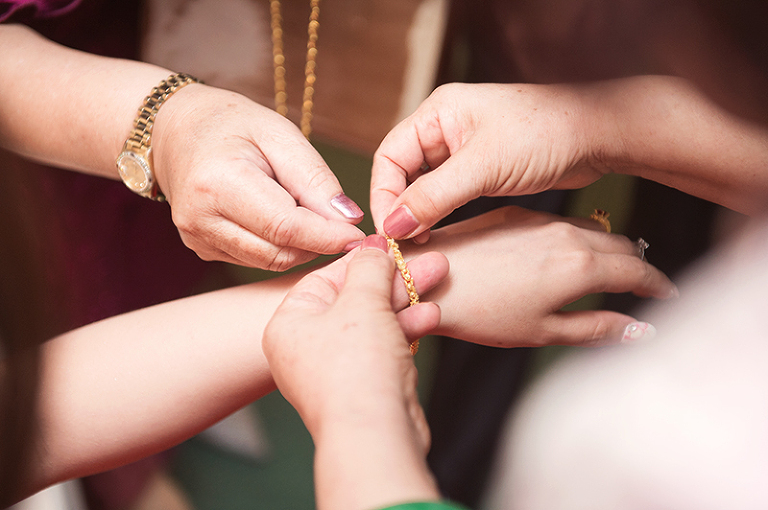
(664, 129)
(65, 107)
(370, 460)
(136, 384)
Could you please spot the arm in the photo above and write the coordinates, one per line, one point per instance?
(136, 384)
(664, 129)
(497, 140)
(339, 356)
(244, 185)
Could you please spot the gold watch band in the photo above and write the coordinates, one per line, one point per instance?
(142, 126)
(134, 164)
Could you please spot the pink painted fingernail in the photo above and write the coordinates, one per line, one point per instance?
(375, 241)
(351, 246)
(638, 330)
(347, 207)
(400, 223)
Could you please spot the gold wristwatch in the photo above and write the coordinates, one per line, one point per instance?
(134, 163)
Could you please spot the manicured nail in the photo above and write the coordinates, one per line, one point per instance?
(400, 223)
(638, 330)
(347, 207)
(422, 238)
(375, 241)
(351, 246)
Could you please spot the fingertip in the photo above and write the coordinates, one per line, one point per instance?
(400, 223)
(422, 238)
(419, 320)
(637, 331)
(347, 208)
(375, 241)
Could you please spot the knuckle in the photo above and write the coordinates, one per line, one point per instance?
(426, 204)
(286, 258)
(320, 178)
(280, 231)
(597, 335)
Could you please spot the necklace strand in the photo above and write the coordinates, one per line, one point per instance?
(278, 59)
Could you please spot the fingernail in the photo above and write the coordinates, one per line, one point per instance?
(375, 241)
(400, 223)
(347, 207)
(351, 246)
(674, 293)
(638, 330)
(422, 238)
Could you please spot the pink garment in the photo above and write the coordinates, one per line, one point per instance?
(41, 8)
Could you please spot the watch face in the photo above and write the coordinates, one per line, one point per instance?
(135, 172)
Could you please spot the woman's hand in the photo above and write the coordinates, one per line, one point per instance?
(467, 141)
(338, 354)
(513, 270)
(244, 184)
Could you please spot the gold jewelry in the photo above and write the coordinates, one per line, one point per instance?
(641, 245)
(134, 164)
(601, 217)
(278, 58)
(410, 285)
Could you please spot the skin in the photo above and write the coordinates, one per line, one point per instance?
(199, 359)
(243, 183)
(338, 355)
(497, 140)
(513, 270)
(150, 379)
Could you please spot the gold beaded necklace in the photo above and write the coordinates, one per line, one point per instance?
(278, 58)
(281, 106)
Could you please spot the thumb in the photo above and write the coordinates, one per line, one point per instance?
(369, 273)
(434, 195)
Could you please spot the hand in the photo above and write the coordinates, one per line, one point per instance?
(338, 354)
(513, 270)
(337, 332)
(244, 184)
(477, 140)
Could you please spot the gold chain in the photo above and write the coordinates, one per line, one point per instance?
(410, 284)
(278, 58)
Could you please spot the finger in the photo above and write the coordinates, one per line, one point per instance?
(301, 170)
(317, 290)
(427, 270)
(435, 195)
(229, 242)
(400, 159)
(605, 242)
(627, 273)
(370, 273)
(419, 320)
(270, 213)
(422, 238)
(588, 328)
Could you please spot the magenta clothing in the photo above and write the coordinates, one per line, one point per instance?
(118, 251)
(38, 8)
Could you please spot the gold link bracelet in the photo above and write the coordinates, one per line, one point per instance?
(410, 284)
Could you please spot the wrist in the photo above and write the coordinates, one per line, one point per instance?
(372, 467)
(135, 162)
(175, 125)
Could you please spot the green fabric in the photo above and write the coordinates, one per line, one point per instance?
(426, 505)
